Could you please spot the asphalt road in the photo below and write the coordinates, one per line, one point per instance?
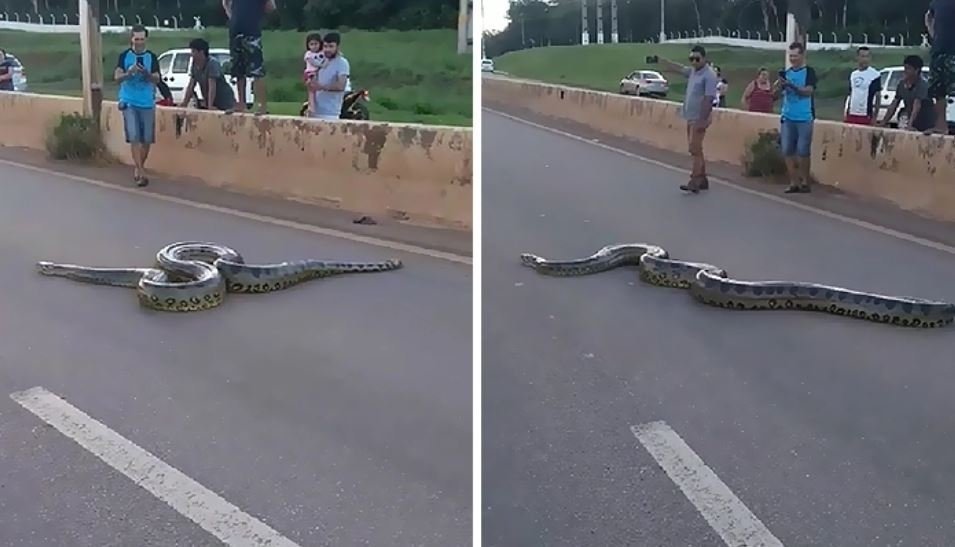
(337, 412)
(832, 431)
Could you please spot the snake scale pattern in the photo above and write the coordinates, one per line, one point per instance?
(194, 276)
(712, 285)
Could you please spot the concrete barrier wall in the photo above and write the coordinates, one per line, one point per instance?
(416, 173)
(915, 172)
(26, 119)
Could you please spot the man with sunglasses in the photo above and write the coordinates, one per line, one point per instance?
(701, 94)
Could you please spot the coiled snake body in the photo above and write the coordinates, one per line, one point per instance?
(194, 276)
(712, 285)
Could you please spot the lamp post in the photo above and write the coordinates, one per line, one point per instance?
(663, 20)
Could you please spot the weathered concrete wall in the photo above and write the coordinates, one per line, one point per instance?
(911, 170)
(409, 172)
(417, 173)
(26, 119)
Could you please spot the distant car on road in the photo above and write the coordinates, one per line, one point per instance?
(175, 66)
(487, 65)
(645, 83)
(19, 74)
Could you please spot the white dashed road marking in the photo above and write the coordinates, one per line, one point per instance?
(204, 507)
(725, 513)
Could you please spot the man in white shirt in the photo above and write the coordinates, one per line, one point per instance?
(865, 84)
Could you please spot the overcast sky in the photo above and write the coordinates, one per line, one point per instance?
(495, 14)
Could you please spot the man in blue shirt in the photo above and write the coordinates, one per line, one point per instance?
(245, 46)
(332, 79)
(797, 85)
(137, 72)
(940, 22)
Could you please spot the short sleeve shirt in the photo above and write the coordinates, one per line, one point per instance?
(700, 84)
(944, 12)
(328, 104)
(796, 107)
(138, 91)
(247, 17)
(225, 98)
(864, 86)
(919, 92)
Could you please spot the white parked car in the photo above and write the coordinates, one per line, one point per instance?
(891, 77)
(487, 65)
(175, 66)
(645, 82)
(19, 74)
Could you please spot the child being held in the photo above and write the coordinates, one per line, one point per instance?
(314, 61)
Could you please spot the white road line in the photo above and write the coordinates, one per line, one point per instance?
(393, 245)
(202, 506)
(726, 514)
(948, 249)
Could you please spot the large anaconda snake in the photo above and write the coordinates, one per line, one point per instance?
(194, 276)
(712, 285)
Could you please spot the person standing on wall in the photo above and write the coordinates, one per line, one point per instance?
(912, 94)
(940, 22)
(797, 85)
(865, 84)
(701, 93)
(332, 79)
(245, 45)
(207, 74)
(137, 72)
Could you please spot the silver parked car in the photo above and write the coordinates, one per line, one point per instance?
(645, 82)
(19, 74)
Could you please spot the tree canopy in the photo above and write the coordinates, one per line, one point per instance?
(292, 14)
(537, 22)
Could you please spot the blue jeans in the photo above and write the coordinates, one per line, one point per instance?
(140, 125)
(796, 139)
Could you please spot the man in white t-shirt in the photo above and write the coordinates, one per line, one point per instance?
(865, 84)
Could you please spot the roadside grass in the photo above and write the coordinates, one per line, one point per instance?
(414, 76)
(600, 67)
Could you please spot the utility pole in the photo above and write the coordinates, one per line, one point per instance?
(614, 35)
(663, 21)
(600, 21)
(584, 26)
(523, 39)
(465, 26)
(91, 55)
(798, 19)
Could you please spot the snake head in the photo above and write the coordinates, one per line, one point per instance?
(531, 261)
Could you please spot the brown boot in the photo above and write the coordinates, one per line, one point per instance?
(693, 186)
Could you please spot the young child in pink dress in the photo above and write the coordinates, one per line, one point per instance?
(314, 60)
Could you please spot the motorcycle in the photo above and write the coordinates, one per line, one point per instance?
(353, 106)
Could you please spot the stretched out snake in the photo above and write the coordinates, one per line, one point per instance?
(712, 285)
(194, 276)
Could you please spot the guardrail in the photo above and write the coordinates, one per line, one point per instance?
(777, 40)
(63, 23)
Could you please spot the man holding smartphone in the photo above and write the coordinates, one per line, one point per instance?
(245, 45)
(797, 85)
(137, 73)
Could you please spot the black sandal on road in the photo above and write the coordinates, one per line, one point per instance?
(798, 190)
(142, 181)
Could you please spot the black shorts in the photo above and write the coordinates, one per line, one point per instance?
(941, 82)
(247, 58)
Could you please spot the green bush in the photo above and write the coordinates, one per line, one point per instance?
(763, 157)
(75, 137)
